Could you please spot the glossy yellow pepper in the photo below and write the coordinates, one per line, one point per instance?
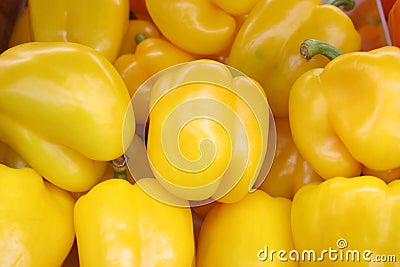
(289, 170)
(64, 110)
(36, 226)
(346, 115)
(200, 27)
(266, 47)
(347, 222)
(119, 224)
(151, 56)
(97, 24)
(245, 232)
(143, 27)
(208, 131)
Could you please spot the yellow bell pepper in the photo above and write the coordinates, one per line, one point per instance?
(65, 110)
(119, 224)
(36, 226)
(245, 232)
(135, 27)
(289, 171)
(208, 131)
(151, 56)
(97, 24)
(199, 27)
(347, 222)
(266, 47)
(346, 115)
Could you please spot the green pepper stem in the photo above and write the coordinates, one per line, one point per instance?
(312, 47)
(119, 167)
(140, 37)
(347, 5)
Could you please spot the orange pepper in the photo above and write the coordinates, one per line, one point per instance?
(21, 32)
(289, 170)
(135, 27)
(372, 36)
(387, 6)
(394, 23)
(367, 21)
(151, 56)
(139, 9)
(223, 56)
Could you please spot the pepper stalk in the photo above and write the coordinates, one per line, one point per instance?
(119, 168)
(312, 47)
(346, 5)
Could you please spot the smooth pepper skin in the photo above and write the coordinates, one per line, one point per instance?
(201, 27)
(366, 17)
(312, 131)
(267, 45)
(64, 110)
(387, 6)
(150, 56)
(97, 24)
(394, 23)
(346, 115)
(135, 27)
(119, 224)
(36, 222)
(354, 216)
(289, 170)
(236, 234)
(199, 116)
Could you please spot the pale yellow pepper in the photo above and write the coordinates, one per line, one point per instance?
(208, 131)
(246, 232)
(100, 24)
(36, 226)
(119, 224)
(65, 110)
(347, 222)
(199, 27)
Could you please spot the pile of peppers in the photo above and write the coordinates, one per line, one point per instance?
(295, 104)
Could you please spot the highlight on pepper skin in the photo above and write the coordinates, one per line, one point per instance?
(199, 115)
